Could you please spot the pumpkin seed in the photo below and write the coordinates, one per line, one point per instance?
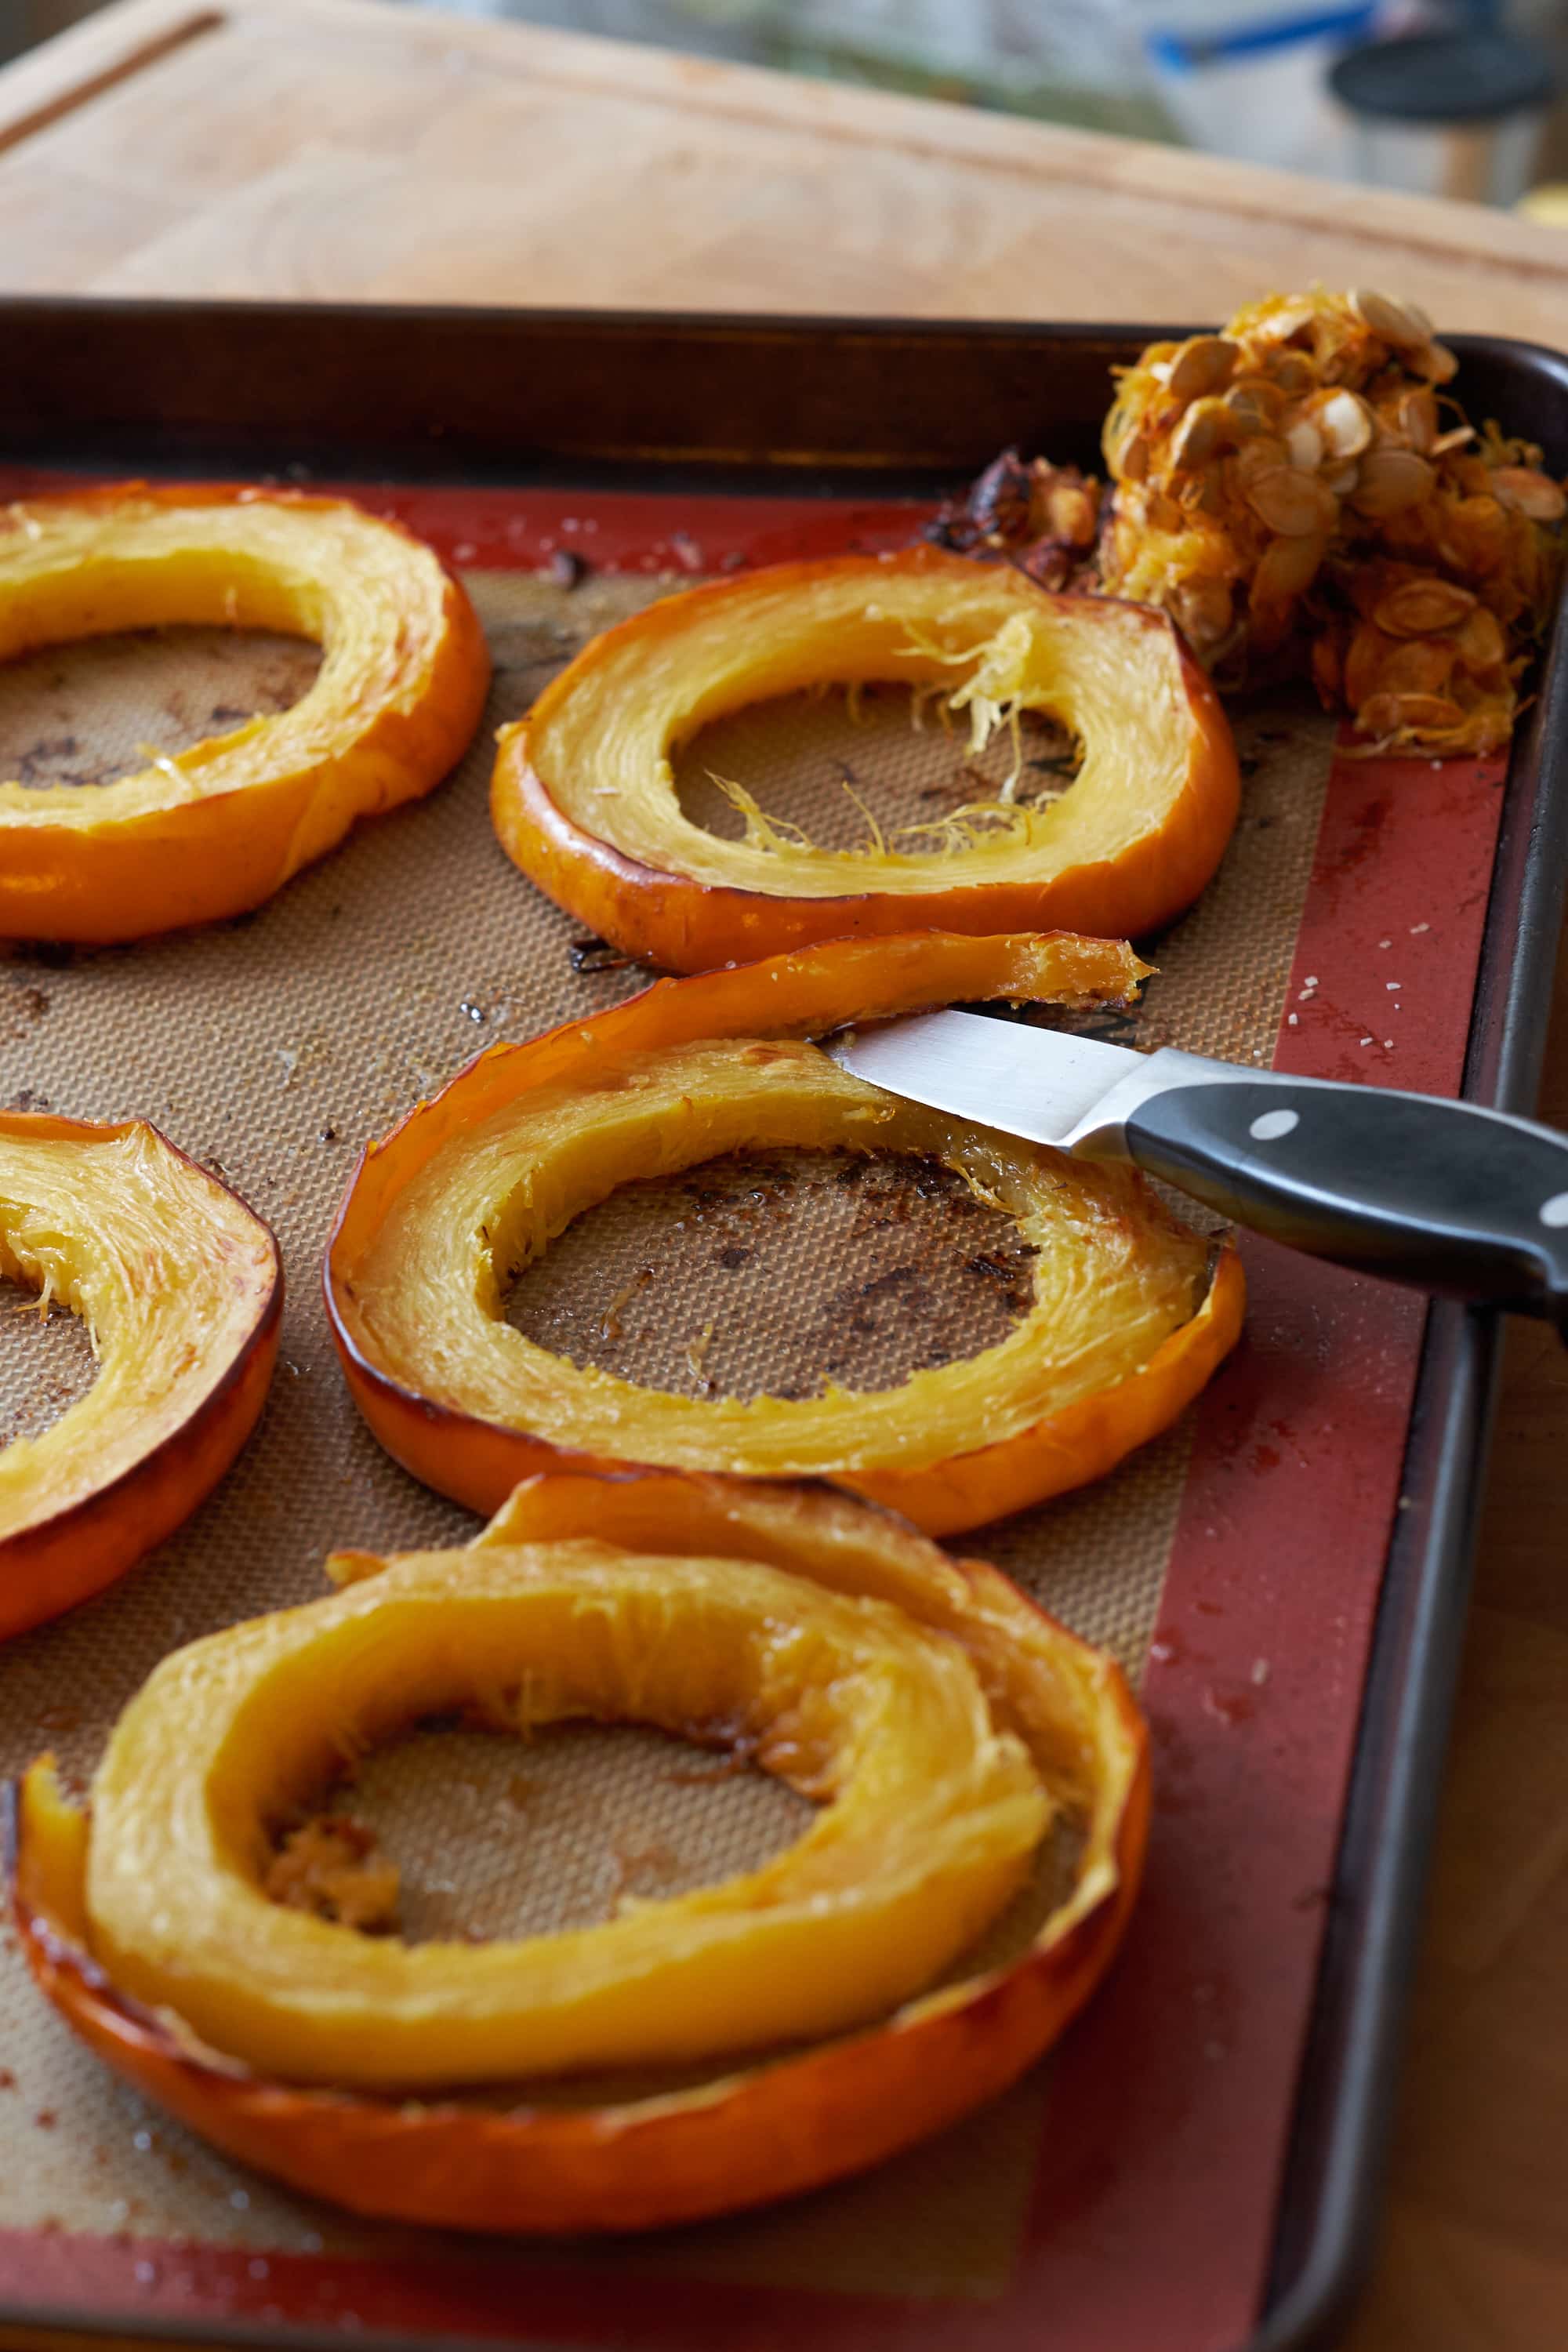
(1415, 416)
(1474, 535)
(1422, 714)
(1420, 608)
(1133, 466)
(1253, 404)
(1418, 666)
(1436, 361)
(1206, 364)
(1528, 493)
(1200, 433)
(1287, 568)
(1366, 657)
(1288, 319)
(1305, 445)
(1202, 612)
(1344, 421)
(1262, 455)
(1390, 481)
(1291, 502)
(1390, 321)
(1480, 642)
(1294, 374)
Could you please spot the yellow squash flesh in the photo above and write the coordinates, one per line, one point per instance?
(929, 1819)
(179, 1286)
(755, 2128)
(1113, 1277)
(213, 829)
(583, 795)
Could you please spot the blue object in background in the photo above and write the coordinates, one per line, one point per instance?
(1188, 51)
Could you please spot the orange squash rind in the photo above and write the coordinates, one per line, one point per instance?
(583, 799)
(1131, 1313)
(214, 829)
(182, 1289)
(768, 2129)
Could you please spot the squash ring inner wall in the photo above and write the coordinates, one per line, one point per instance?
(1114, 1275)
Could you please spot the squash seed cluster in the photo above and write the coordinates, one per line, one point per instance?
(1300, 492)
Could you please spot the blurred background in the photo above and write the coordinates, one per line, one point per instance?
(1462, 98)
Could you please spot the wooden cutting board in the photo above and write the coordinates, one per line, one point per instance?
(334, 148)
(343, 151)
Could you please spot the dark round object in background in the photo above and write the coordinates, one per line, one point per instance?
(1474, 76)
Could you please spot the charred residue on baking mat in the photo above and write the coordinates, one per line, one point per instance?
(772, 1274)
(847, 769)
(271, 1049)
(97, 708)
(497, 1835)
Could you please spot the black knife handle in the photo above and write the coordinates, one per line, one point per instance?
(1442, 1194)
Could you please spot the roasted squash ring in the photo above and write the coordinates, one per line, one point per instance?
(930, 1820)
(686, 2150)
(181, 1288)
(1126, 1325)
(213, 830)
(583, 796)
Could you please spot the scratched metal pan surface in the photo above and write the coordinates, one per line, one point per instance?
(1285, 1573)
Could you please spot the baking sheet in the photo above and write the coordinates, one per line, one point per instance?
(273, 1046)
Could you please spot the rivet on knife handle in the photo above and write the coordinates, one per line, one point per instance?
(1441, 1194)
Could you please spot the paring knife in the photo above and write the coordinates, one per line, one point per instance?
(1441, 1194)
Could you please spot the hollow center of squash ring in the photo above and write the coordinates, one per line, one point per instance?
(493, 1836)
(85, 712)
(772, 1274)
(1112, 1278)
(47, 1361)
(883, 763)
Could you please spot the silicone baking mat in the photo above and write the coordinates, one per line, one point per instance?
(1124, 2194)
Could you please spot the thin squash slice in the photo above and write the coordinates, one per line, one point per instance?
(213, 830)
(181, 1288)
(583, 794)
(1132, 1309)
(940, 1719)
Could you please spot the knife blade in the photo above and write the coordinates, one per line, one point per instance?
(1447, 1196)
